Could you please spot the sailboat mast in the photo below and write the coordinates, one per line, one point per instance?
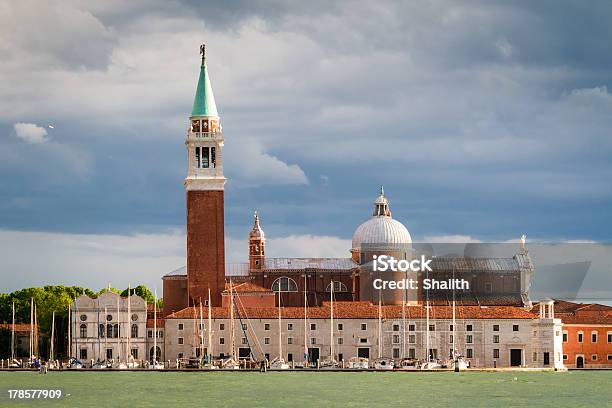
(31, 328)
(331, 322)
(305, 322)
(69, 328)
(155, 329)
(379, 328)
(52, 336)
(403, 324)
(128, 331)
(454, 324)
(209, 328)
(13, 336)
(201, 331)
(427, 337)
(118, 332)
(280, 328)
(99, 352)
(36, 332)
(233, 339)
(105, 331)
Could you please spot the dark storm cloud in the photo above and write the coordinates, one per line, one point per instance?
(482, 119)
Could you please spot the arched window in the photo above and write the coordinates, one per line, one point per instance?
(284, 284)
(83, 331)
(109, 330)
(338, 287)
(157, 354)
(116, 331)
(134, 330)
(101, 331)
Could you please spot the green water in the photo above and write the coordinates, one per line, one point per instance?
(312, 389)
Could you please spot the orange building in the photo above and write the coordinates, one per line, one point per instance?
(587, 334)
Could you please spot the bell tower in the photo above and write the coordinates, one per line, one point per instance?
(204, 186)
(257, 246)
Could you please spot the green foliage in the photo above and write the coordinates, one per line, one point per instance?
(48, 299)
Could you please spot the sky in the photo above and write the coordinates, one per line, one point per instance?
(483, 120)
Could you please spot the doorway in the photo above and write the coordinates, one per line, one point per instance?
(579, 362)
(313, 354)
(363, 352)
(516, 357)
(546, 358)
(244, 352)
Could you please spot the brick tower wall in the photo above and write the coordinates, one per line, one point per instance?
(205, 246)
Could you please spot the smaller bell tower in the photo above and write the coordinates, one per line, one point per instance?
(257, 246)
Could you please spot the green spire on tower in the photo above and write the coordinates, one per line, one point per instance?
(204, 103)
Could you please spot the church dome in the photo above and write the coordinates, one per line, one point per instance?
(381, 230)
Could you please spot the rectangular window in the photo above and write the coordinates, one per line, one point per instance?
(266, 340)
(496, 327)
(313, 326)
(340, 340)
(609, 357)
(411, 327)
(396, 353)
(450, 340)
(396, 339)
(313, 340)
(469, 353)
(180, 340)
(289, 340)
(535, 356)
(221, 326)
(469, 339)
(150, 334)
(412, 338)
(244, 326)
(340, 327)
(450, 328)
(610, 337)
(496, 338)
(364, 326)
(565, 356)
(432, 327)
(289, 326)
(515, 327)
(267, 326)
(468, 327)
(396, 327)
(495, 353)
(245, 341)
(197, 157)
(411, 353)
(580, 337)
(594, 337)
(109, 353)
(135, 354)
(160, 334)
(363, 340)
(594, 357)
(180, 326)
(221, 340)
(565, 337)
(205, 158)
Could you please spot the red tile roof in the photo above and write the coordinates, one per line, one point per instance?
(580, 313)
(245, 287)
(366, 310)
(19, 327)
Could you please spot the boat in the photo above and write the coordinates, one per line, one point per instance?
(384, 364)
(279, 364)
(459, 364)
(358, 363)
(74, 363)
(430, 365)
(408, 364)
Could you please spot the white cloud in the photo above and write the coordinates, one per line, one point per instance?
(88, 260)
(248, 163)
(30, 132)
(450, 239)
